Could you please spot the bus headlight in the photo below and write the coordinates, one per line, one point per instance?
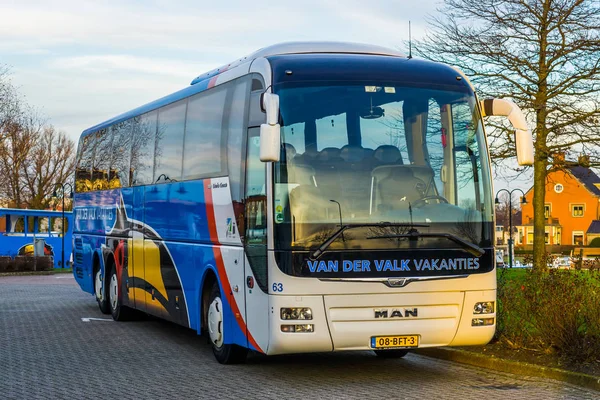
(482, 321)
(307, 328)
(485, 307)
(296, 313)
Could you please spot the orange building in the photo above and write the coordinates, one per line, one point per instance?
(572, 205)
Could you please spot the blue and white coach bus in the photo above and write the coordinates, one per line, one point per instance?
(310, 197)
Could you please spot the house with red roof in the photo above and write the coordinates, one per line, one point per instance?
(571, 209)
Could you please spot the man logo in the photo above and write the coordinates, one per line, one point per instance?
(396, 313)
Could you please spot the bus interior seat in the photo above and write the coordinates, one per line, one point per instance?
(394, 187)
(387, 154)
(355, 177)
(327, 166)
(307, 205)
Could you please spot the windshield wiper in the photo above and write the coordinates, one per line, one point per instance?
(414, 234)
(317, 253)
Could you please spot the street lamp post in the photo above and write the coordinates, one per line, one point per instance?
(54, 196)
(510, 234)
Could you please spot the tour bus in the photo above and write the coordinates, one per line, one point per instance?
(310, 197)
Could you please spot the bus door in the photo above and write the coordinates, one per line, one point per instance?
(255, 245)
(137, 281)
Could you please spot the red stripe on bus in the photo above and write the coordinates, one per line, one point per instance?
(234, 307)
(212, 82)
(212, 227)
(210, 212)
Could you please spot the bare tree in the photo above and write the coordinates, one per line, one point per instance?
(33, 155)
(19, 136)
(50, 161)
(545, 55)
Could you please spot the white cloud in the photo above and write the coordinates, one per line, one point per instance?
(83, 61)
(111, 63)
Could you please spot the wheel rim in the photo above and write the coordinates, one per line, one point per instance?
(215, 322)
(114, 294)
(98, 287)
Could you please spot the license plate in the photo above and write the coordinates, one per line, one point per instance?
(389, 342)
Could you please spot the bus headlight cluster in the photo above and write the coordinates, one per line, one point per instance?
(306, 328)
(296, 313)
(485, 307)
(482, 321)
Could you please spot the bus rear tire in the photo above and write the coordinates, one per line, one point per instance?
(390, 353)
(100, 292)
(117, 309)
(224, 353)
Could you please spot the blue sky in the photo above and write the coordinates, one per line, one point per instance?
(82, 62)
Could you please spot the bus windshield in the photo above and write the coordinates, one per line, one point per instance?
(373, 152)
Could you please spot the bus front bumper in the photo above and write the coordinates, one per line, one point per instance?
(350, 322)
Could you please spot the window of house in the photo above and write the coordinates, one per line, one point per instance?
(557, 235)
(577, 210)
(529, 237)
(578, 238)
(547, 210)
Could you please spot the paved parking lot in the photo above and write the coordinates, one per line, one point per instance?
(48, 351)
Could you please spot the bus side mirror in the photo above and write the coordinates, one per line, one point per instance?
(270, 133)
(523, 137)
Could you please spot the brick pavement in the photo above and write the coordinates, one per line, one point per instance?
(47, 351)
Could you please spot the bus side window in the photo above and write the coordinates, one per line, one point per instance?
(256, 115)
(142, 148)
(102, 157)
(83, 172)
(236, 117)
(256, 210)
(203, 152)
(121, 151)
(168, 153)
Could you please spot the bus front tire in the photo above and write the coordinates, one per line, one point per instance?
(100, 292)
(224, 353)
(390, 353)
(117, 309)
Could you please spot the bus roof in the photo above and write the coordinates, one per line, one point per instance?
(304, 48)
(201, 82)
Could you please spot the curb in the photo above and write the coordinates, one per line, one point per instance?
(30, 273)
(512, 367)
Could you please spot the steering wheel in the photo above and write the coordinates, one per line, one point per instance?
(423, 200)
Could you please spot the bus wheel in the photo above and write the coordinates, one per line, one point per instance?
(100, 292)
(118, 310)
(224, 353)
(391, 353)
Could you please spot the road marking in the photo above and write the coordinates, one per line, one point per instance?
(95, 319)
(64, 277)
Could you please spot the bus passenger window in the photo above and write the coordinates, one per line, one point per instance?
(169, 142)
(83, 172)
(202, 151)
(121, 151)
(102, 157)
(142, 148)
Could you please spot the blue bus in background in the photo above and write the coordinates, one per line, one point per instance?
(20, 229)
(308, 197)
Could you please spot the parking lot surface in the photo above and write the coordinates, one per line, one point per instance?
(51, 347)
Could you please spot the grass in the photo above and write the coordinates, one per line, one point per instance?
(551, 311)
